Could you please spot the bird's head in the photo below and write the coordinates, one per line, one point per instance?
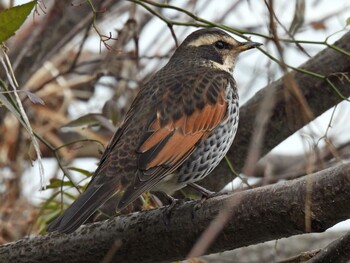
(212, 47)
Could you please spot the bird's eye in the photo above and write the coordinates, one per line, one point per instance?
(220, 44)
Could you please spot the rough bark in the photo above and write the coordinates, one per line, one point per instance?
(262, 214)
(317, 92)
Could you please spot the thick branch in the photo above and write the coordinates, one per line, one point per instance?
(262, 214)
(319, 95)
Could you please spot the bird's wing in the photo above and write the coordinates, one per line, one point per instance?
(178, 128)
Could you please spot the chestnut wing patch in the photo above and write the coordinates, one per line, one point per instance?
(168, 146)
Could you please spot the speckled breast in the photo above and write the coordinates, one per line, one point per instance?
(211, 151)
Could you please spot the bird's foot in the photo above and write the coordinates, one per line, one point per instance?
(168, 210)
(206, 194)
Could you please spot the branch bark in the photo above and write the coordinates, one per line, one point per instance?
(319, 95)
(262, 214)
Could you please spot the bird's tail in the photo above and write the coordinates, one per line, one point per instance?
(81, 209)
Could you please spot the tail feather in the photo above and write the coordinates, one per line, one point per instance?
(81, 209)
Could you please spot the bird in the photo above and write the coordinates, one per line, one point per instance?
(178, 128)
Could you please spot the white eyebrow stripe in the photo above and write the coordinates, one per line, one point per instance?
(203, 40)
(210, 39)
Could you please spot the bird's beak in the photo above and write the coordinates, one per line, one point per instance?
(248, 45)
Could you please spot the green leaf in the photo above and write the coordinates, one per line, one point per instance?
(79, 170)
(70, 196)
(11, 19)
(348, 21)
(110, 110)
(91, 119)
(56, 183)
(9, 104)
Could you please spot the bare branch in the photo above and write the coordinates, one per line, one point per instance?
(337, 251)
(264, 213)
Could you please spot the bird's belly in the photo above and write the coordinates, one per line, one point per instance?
(169, 184)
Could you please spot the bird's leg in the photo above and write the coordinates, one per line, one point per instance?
(205, 192)
(172, 203)
(171, 200)
(162, 198)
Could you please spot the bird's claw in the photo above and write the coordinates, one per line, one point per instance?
(168, 210)
(200, 203)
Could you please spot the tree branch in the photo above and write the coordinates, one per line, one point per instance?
(337, 251)
(262, 214)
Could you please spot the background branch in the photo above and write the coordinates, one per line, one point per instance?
(337, 251)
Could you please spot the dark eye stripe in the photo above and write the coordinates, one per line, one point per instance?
(221, 45)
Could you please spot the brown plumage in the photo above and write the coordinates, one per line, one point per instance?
(178, 128)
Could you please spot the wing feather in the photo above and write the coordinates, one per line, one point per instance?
(176, 138)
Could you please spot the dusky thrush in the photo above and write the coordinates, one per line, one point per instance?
(177, 130)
